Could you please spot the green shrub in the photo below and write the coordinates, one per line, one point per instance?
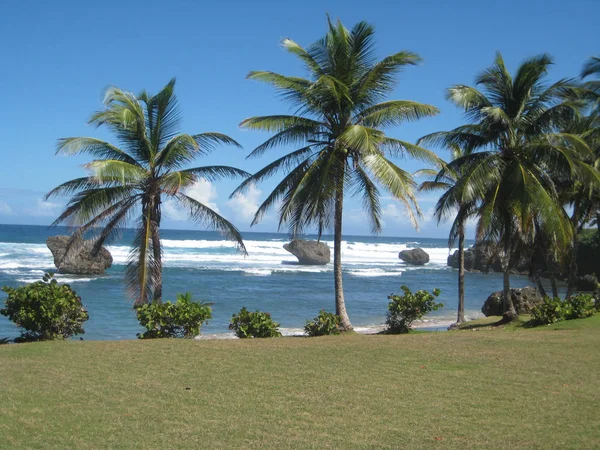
(579, 306)
(181, 319)
(404, 309)
(45, 310)
(256, 324)
(553, 310)
(324, 324)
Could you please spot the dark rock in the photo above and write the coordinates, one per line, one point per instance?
(79, 259)
(416, 256)
(587, 283)
(524, 300)
(484, 257)
(309, 252)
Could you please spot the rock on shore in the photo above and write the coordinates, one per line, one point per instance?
(79, 260)
(309, 252)
(524, 300)
(416, 256)
(483, 257)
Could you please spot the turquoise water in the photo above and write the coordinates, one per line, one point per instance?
(209, 267)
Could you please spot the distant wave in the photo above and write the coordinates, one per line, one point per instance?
(266, 257)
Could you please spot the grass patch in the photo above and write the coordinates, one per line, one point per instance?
(527, 389)
(494, 322)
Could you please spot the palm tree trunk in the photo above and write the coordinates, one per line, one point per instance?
(157, 252)
(460, 318)
(554, 287)
(574, 247)
(340, 305)
(507, 304)
(539, 284)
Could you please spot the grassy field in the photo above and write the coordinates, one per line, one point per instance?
(506, 388)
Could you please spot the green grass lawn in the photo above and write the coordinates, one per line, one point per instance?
(507, 388)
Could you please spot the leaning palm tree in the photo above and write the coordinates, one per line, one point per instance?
(337, 129)
(131, 181)
(451, 201)
(515, 152)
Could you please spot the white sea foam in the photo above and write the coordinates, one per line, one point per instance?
(375, 273)
(266, 257)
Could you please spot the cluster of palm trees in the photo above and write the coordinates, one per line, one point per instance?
(524, 166)
(528, 151)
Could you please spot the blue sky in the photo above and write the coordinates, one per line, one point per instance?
(57, 58)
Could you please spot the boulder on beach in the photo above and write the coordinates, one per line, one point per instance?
(415, 256)
(524, 299)
(309, 252)
(79, 259)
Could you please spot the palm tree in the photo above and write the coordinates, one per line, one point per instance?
(514, 151)
(337, 130)
(582, 194)
(132, 180)
(449, 180)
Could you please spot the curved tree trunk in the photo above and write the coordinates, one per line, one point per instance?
(157, 251)
(460, 318)
(340, 305)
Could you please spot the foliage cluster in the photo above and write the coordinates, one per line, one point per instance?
(45, 310)
(553, 310)
(404, 309)
(181, 319)
(257, 324)
(324, 324)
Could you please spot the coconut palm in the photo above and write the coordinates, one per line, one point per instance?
(131, 181)
(515, 152)
(451, 201)
(337, 129)
(582, 194)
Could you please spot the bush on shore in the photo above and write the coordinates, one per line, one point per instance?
(45, 310)
(257, 324)
(182, 319)
(554, 310)
(324, 324)
(404, 309)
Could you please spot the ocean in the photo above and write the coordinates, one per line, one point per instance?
(208, 266)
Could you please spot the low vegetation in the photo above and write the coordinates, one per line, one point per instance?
(181, 319)
(324, 324)
(45, 310)
(404, 309)
(553, 310)
(257, 324)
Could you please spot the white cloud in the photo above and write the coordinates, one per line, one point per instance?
(245, 205)
(45, 209)
(5, 209)
(202, 190)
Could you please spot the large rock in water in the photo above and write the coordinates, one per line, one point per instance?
(416, 256)
(79, 259)
(309, 252)
(524, 300)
